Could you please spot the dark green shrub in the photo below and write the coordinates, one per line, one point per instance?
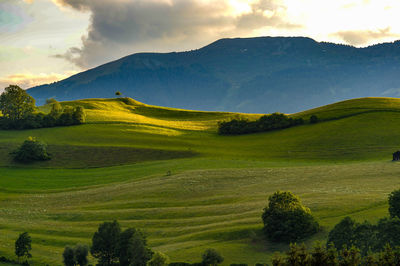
(69, 256)
(286, 219)
(31, 150)
(211, 257)
(394, 204)
(313, 119)
(343, 233)
(388, 232)
(263, 124)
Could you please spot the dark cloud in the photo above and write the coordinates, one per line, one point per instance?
(360, 37)
(120, 27)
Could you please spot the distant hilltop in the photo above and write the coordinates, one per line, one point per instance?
(253, 75)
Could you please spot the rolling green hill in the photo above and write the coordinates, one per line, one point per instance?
(115, 167)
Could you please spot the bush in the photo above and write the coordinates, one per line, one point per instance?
(286, 219)
(31, 150)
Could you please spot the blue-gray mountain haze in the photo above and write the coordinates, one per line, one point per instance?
(255, 75)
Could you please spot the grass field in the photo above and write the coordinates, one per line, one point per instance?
(115, 167)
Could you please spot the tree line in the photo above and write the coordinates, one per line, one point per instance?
(349, 242)
(263, 124)
(111, 246)
(19, 112)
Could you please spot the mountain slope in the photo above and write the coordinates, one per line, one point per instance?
(256, 75)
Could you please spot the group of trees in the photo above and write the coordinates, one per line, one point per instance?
(263, 124)
(286, 219)
(112, 246)
(349, 242)
(368, 237)
(19, 112)
(299, 255)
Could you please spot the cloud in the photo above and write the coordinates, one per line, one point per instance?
(362, 37)
(120, 27)
(28, 80)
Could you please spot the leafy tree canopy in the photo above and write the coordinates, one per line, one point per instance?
(212, 257)
(16, 103)
(105, 241)
(286, 219)
(158, 259)
(23, 245)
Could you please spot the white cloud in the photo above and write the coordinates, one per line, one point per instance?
(28, 80)
(121, 27)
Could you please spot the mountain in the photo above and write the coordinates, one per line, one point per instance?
(255, 75)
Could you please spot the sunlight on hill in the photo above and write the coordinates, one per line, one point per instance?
(130, 111)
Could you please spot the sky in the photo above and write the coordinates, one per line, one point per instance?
(43, 41)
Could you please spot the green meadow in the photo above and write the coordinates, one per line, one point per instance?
(167, 172)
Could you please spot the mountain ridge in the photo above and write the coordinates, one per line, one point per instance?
(252, 75)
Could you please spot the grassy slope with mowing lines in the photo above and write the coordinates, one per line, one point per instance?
(215, 199)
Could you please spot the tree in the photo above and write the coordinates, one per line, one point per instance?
(297, 255)
(388, 232)
(212, 257)
(23, 246)
(132, 248)
(286, 219)
(69, 256)
(158, 259)
(81, 253)
(79, 116)
(343, 233)
(319, 255)
(313, 119)
(76, 256)
(51, 101)
(394, 204)
(31, 150)
(105, 242)
(350, 257)
(16, 103)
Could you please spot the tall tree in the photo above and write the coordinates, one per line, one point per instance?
(132, 248)
(69, 256)
(23, 246)
(105, 242)
(16, 103)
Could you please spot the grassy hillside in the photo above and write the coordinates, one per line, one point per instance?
(218, 184)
